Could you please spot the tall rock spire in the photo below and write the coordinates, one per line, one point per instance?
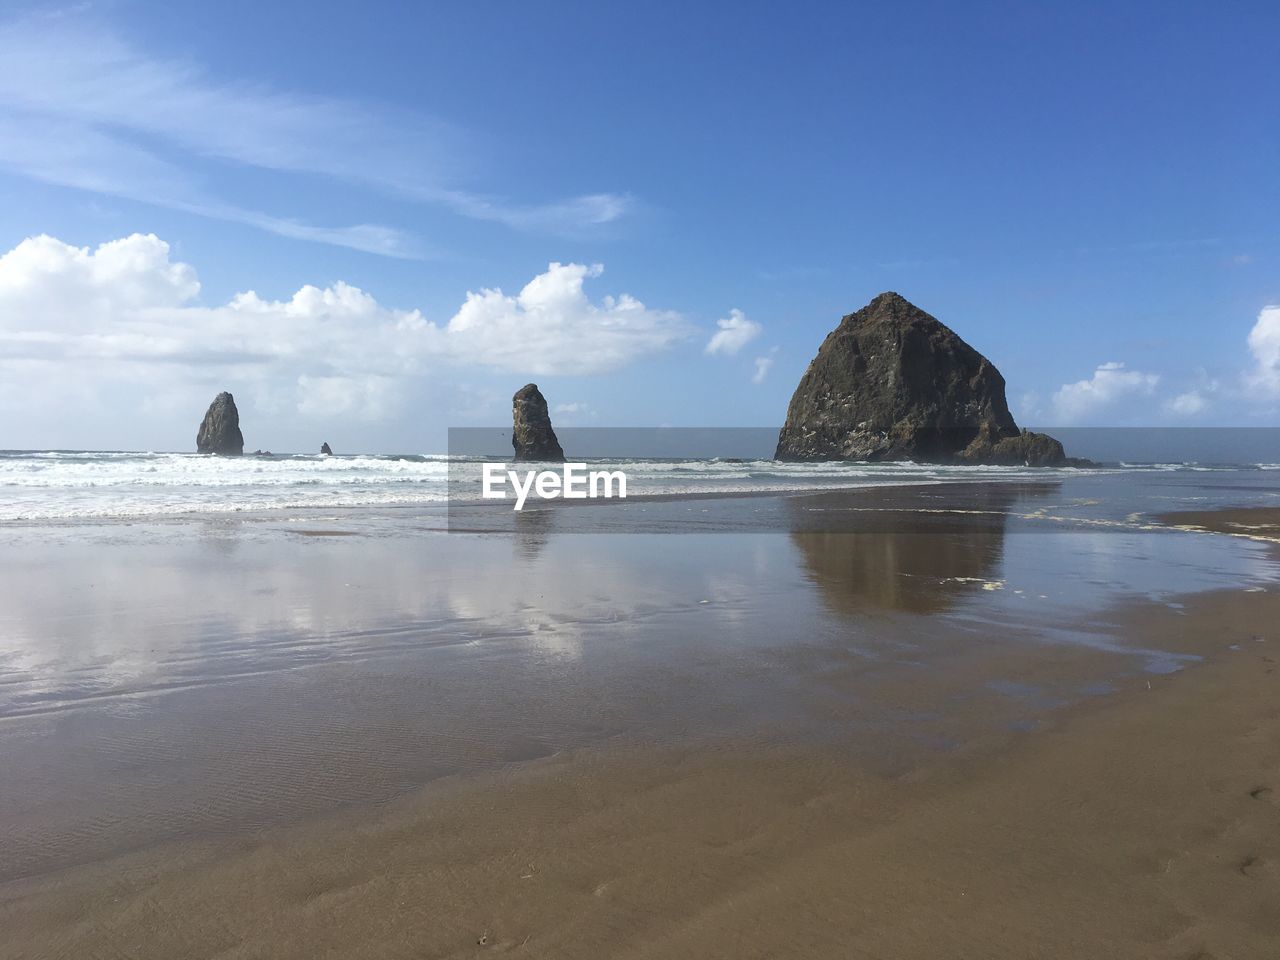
(531, 433)
(220, 430)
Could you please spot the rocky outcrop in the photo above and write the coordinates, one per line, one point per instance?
(893, 383)
(1031, 449)
(531, 433)
(325, 451)
(220, 430)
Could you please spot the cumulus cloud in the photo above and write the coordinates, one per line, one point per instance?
(1263, 379)
(551, 327)
(1110, 384)
(46, 281)
(735, 332)
(127, 308)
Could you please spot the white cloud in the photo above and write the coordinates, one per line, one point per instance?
(369, 397)
(550, 327)
(567, 216)
(1187, 404)
(735, 332)
(573, 414)
(47, 281)
(763, 365)
(75, 155)
(1264, 345)
(127, 311)
(1026, 409)
(1111, 383)
(82, 108)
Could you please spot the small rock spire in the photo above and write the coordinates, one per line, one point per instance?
(531, 433)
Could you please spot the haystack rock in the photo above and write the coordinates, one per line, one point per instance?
(531, 433)
(893, 383)
(220, 430)
(325, 450)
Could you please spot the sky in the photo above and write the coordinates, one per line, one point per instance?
(374, 222)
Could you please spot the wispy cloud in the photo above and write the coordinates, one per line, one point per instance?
(568, 216)
(573, 414)
(83, 108)
(763, 366)
(70, 154)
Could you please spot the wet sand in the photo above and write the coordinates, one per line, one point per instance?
(1139, 825)
(890, 732)
(1259, 523)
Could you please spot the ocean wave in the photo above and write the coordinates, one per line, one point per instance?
(66, 484)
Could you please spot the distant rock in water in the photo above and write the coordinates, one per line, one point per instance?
(324, 449)
(220, 430)
(893, 383)
(531, 433)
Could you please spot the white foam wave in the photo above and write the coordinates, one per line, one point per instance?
(63, 485)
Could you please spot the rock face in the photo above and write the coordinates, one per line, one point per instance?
(220, 430)
(893, 383)
(531, 433)
(324, 449)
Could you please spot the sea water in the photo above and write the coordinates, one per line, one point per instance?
(66, 485)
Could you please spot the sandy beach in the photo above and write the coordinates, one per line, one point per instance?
(1140, 825)
(901, 729)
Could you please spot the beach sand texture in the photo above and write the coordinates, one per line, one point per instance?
(1140, 823)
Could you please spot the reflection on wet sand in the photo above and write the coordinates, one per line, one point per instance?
(161, 682)
(532, 531)
(882, 551)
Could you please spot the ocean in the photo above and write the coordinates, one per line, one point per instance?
(90, 486)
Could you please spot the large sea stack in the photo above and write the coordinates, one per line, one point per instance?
(220, 430)
(893, 383)
(531, 433)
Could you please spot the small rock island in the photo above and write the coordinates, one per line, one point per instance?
(220, 430)
(892, 382)
(531, 433)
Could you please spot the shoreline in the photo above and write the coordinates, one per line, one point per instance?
(170, 510)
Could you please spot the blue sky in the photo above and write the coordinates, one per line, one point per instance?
(1086, 193)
